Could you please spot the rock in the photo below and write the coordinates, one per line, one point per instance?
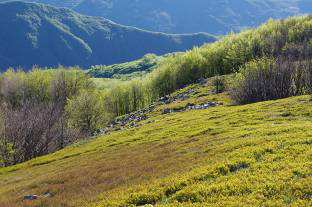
(47, 195)
(133, 124)
(31, 197)
(202, 81)
(165, 99)
(166, 111)
(190, 106)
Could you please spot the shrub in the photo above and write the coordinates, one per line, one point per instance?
(86, 112)
(32, 112)
(268, 79)
(219, 84)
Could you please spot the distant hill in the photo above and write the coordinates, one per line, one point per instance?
(188, 16)
(37, 34)
(129, 70)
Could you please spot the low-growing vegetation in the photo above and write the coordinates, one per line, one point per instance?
(259, 154)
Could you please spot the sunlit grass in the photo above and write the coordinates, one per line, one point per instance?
(256, 155)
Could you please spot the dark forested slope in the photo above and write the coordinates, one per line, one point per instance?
(36, 34)
(188, 16)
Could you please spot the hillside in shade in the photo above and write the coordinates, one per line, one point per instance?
(36, 34)
(188, 16)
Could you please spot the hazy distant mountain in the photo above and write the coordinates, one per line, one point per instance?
(188, 16)
(36, 34)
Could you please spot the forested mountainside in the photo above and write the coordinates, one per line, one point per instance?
(188, 16)
(37, 34)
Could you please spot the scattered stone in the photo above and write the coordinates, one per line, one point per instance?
(165, 99)
(178, 97)
(47, 195)
(203, 106)
(128, 120)
(167, 111)
(191, 106)
(202, 81)
(131, 120)
(133, 124)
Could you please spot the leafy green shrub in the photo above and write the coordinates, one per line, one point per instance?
(143, 199)
(219, 84)
(86, 112)
(193, 197)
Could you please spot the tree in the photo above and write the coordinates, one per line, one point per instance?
(86, 112)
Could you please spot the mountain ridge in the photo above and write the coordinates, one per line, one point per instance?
(47, 36)
(177, 16)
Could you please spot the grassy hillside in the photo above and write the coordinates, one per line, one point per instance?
(46, 36)
(257, 154)
(127, 70)
(177, 16)
(191, 148)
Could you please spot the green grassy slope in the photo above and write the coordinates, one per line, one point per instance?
(47, 37)
(256, 155)
(126, 70)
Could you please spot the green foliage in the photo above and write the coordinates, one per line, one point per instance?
(126, 97)
(219, 84)
(86, 112)
(223, 57)
(6, 153)
(32, 108)
(41, 85)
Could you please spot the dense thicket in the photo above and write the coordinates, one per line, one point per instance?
(269, 79)
(33, 120)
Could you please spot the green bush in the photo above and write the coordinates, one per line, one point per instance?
(86, 112)
(219, 84)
